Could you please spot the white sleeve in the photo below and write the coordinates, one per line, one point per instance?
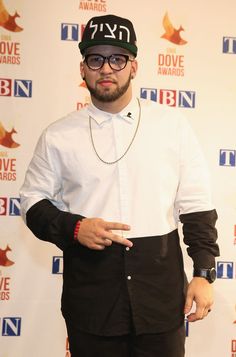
(42, 181)
(194, 190)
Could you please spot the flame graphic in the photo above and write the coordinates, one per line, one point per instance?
(171, 34)
(4, 261)
(6, 137)
(8, 21)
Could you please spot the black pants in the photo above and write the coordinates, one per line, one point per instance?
(170, 344)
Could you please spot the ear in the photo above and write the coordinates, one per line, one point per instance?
(82, 70)
(134, 68)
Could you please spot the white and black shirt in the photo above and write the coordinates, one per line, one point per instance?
(161, 180)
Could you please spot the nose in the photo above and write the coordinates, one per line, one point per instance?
(106, 67)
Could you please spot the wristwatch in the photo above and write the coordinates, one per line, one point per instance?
(208, 274)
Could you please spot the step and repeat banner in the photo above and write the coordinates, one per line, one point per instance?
(187, 60)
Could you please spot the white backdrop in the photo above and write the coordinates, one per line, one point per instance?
(40, 82)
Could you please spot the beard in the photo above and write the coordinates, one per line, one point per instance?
(107, 96)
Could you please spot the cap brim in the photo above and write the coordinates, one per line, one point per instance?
(86, 44)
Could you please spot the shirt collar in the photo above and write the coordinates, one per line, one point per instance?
(129, 113)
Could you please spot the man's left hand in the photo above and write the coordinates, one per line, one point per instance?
(200, 291)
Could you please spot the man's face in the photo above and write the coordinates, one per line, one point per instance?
(107, 84)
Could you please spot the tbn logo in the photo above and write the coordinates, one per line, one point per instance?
(11, 326)
(71, 32)
(226, 270)
(227, 157)
(21, 88)
(57, 265)
(9, 206)
(173, 98)
(229, 45)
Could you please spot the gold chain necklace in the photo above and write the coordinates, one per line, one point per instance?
(115, 161)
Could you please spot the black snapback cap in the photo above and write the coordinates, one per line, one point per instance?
(109, 30)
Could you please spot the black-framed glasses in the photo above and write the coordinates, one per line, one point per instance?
(117, 62)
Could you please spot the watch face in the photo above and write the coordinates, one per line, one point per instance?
(209, 274)
(212, 274)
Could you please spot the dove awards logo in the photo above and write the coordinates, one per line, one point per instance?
(9, 49)
(4, 260)
(233, 348)
(6, 138)
(5, 280)
(7, 164)
(84, 93)
(8, 21)
(170, 63)
(93, 5)
(171, 34)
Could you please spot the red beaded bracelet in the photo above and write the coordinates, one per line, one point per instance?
(76, 230)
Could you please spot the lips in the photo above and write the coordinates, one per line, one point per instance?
(105, 82)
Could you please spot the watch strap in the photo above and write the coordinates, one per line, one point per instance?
(209, 274)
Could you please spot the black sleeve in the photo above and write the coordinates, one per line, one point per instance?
(200, 235)
(50, 224)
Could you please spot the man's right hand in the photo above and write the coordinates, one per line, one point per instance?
(95, 233)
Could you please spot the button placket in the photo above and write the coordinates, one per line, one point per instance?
(121, 128)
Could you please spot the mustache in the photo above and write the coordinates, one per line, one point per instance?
(106, 79)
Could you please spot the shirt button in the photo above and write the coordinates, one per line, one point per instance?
(127, 248)
(129, 277)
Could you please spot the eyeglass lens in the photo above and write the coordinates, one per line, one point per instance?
(115, 61)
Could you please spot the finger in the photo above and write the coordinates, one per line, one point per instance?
(199, 313)
(191, 317)
(116, 226)
(102, 241)
(118, 239)
(107, 242)
(188, 304)
(97, 246)
(207, 311)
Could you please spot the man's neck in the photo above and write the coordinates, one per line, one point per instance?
(112, 107)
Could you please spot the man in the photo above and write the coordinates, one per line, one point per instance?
(108, 185)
